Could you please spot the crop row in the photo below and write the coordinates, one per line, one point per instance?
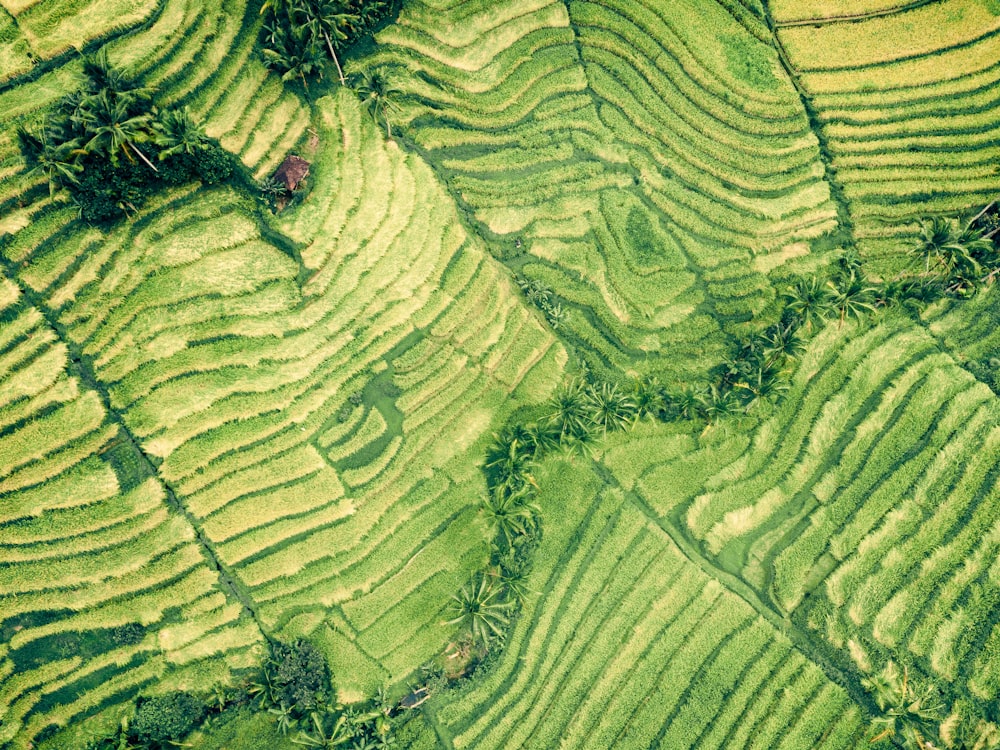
(876, 472)
(625, 644)
(872, 488)
(779, 443)
(15, 52)
(937, 604)
(241, 401)
(905, 120)
(80, 530)
(51, 27)
(681, 115)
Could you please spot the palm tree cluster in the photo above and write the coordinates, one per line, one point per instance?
(576, 415)
(961, 255)
(348, 728)
(103, 143)
(757, 373)
(299, 35)
(294, 687)
(542, 297)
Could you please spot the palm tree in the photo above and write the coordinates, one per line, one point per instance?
(113, 129)
(293, 51)
(959, 262)
(981, 248)
(103, 76)
(66, 124)
(938, 237)
(377, 96)
(510, 458)
(765, 385)
(849, 260)
(716, 403)
(509, 514)
(332, 18)
(853, 296)
(265, 692)
(286, 717)
(810, 301)
(513, 581)
(687, 402)
(542, 438)
(478, 607)
(45, 157)
(569, 413)
(907, 712)
(648, 397)
(609, 408)
(781, 343)
(510, 571)
(177, 133)
(341, 733)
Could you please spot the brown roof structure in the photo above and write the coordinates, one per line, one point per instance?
(292, 171)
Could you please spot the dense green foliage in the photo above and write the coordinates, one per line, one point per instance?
(299, 35)
(162, 720)
(296, 676)
(95, 143)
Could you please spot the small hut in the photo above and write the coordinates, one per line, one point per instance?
(291, 172)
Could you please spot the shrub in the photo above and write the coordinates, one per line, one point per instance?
(128, 634)
(165, 718)
(298, 674)
(213, 165)
(105, 191)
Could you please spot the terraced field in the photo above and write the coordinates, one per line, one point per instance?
(656, 224)
(865, 507)
(105, 588)
(907, 103)
(32, 31)
(355, 535)
(626, 643)
(220, 426)
(970, 333)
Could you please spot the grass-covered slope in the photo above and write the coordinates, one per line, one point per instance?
(649, 165)
(33, 31)
(204, 55)
(105, 589)
(626, 643)
(321, 420)
(971, 332)
(216, 427)
(196, 53)
(906, 98)
(864, 507)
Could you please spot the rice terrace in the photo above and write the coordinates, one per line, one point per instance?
(498, 374)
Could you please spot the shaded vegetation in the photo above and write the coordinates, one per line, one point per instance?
(103, 143)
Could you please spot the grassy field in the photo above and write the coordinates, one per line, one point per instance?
(221, 425)
(93, 548)
(547, 122)
(317, 524)
(905, 100)
(38, 30)
(625, 642)
(863, 508)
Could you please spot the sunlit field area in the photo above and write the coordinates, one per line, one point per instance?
(467, 374)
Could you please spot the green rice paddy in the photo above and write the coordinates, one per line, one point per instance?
(223, 426)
